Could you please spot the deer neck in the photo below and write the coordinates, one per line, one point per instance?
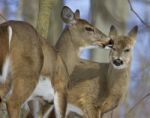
(115, 75)
(67, 50)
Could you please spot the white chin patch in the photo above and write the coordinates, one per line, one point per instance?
(119, 67)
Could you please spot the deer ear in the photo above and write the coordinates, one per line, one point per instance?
(77, 14)
(133, 32)
(67, 15)
(113, 32)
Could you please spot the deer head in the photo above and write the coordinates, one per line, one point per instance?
(82, 33)
(121, 48)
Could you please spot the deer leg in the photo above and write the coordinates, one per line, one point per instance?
(52, 113)
(91, 112)
(74, 115)
(13, 109)
(60, 104)
(22, 89)
(100, 114)
(60, 82)
(110, 103)
(39, 107)
(35, 108)
(112, 114)
(24, 113)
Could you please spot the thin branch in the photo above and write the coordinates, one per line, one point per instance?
(147, 95)
(3, 17)
(138, 16)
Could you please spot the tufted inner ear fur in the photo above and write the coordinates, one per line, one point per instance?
(67, 15)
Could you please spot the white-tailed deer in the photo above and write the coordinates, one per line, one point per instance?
(118, 75)
(78, 34)
(100, 94)
(26, 59)
(29, 65)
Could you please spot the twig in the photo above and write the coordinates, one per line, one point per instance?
(138, 103)
(138, 16)
(3, 17)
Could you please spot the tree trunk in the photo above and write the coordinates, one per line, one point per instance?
(45, 9)
(110, 12)
(55, 27)
(23, 11)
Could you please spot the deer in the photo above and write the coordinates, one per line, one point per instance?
(26, 59)
(118, 75)
(94, 96)
(29, 64)
(116, 78)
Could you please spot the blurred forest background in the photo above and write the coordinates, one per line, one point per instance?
(123, 14)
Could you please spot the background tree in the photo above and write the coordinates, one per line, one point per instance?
(43, 21)
(28, 11)
(104, 13)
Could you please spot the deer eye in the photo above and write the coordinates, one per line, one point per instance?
(126, 50)
(89, 29)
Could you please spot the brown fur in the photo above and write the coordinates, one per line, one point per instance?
(105, 91)
(32, 56)
(104, 87)
(74, 37)
(26, 56)
(118, 79)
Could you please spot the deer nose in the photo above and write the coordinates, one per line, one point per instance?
(117, 62)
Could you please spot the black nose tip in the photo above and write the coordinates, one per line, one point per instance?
(117, 62)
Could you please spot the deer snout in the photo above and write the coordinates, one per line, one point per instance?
(103, 42)
(117, 62)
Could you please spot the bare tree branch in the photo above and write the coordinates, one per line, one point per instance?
(137, 15)
(147, 95)
(3, 17)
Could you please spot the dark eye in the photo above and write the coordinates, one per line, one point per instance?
(126, 50)
(89, 29)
